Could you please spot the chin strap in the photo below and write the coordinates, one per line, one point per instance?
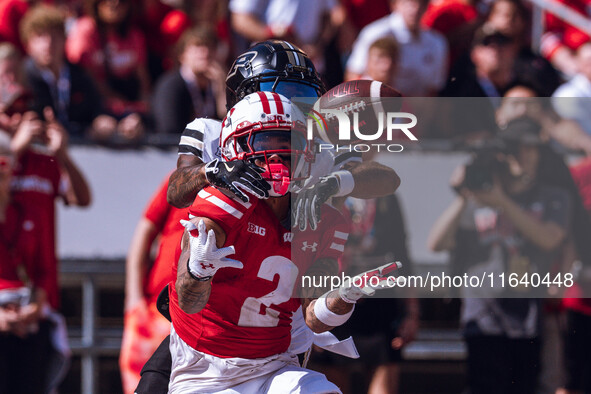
(278, 177)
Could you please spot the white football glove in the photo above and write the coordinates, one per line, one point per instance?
(352, 292)
(206, 258)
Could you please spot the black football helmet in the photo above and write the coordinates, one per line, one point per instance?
(273, 66)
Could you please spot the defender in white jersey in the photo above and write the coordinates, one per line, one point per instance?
(272, 66)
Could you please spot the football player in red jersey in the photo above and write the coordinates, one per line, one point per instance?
(276, 66)
(232, 316)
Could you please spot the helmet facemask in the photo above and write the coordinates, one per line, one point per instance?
(267, 130)
(278, 150)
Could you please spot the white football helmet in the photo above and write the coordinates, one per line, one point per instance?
(266, 128)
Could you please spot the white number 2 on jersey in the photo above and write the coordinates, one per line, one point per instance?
(250, 315)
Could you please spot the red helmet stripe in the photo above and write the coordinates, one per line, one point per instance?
(265, 102)
(278, 103)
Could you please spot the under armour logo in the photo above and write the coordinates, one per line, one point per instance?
(204, 266)
(305, 246)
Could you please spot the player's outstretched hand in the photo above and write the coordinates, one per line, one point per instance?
(306, 208)
(363, 284)
(237, 175)
(206, 258)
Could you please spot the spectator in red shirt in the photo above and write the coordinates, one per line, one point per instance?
(11, 12)
(113, 50)
(44, 172)
(44, 169)
(145, 327)
(155, 19)
(362, 12)
(25, 260)
(456, 20)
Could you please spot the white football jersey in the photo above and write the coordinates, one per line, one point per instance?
(201, 138)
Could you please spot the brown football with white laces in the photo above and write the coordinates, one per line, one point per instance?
(369, 99)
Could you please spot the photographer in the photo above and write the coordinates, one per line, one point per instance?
(505, 219)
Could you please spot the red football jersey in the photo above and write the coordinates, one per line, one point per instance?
(85, 46)
(249, 311)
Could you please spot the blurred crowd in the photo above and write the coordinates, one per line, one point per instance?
(117, 71)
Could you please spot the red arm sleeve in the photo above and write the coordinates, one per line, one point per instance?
(335, 231)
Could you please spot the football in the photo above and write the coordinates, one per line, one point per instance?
(369, 99)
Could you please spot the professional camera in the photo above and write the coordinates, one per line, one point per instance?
(486, 162)
(18, 297)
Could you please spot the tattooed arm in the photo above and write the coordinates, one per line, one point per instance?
(192, 175)
(186, 181)
(194, 294)
(322, 268)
